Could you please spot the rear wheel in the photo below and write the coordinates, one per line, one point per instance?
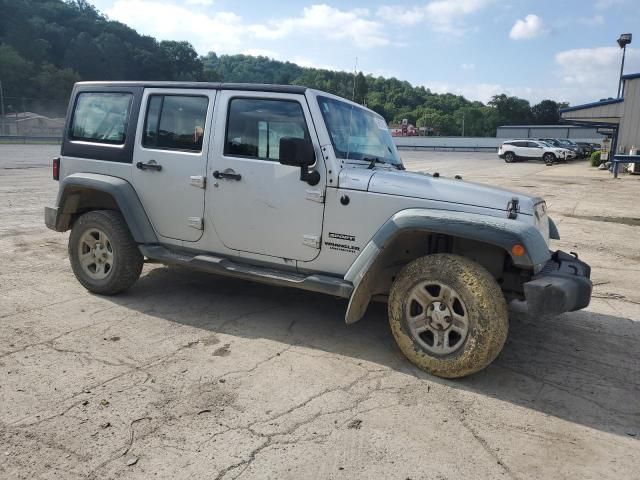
(104, 257)
(448, 315)
(509, 157)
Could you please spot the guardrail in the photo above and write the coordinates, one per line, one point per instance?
(29, 139)
(436, 148)
(449, 144)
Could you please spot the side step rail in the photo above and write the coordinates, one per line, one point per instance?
(223, 266)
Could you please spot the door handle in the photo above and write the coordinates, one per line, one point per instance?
(149, 166)
(231, 175)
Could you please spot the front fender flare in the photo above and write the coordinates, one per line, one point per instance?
(501, 232)
(120, 190)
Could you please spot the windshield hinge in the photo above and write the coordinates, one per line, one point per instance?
(315, 195)
(513, 208)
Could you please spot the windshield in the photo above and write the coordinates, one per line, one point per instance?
(358, 134)
(568, 143)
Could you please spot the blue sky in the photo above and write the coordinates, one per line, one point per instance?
(534, 49)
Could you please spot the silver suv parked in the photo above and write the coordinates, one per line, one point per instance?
(294, 187)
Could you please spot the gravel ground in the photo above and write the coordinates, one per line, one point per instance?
(189, 375)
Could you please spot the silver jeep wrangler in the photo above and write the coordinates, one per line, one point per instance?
(294, 187)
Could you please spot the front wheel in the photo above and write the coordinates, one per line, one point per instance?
(104, 257)
(509, 157)
(549, 158)
(448, 315)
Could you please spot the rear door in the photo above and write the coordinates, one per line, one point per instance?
(170, 159)
(535, 150)
(520, 149)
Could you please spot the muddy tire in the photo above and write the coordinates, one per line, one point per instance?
(448, 315)
(104, 257)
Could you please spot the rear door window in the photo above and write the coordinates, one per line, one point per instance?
(175, 122)
(101, 117)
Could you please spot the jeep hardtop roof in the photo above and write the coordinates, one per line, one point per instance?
(250, 87)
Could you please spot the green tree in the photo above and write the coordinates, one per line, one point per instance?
(361, 88)
(546, 113)
(184, 60)
(511, 110)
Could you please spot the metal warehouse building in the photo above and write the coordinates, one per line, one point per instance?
(620, 117)
(576, 133)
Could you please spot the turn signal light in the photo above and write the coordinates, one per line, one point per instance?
(517, 250)
(55, 167)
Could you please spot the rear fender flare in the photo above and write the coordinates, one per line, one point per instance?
(122, 192)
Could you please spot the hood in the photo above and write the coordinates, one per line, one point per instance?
(438, 189)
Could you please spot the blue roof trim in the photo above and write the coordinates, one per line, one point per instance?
(593, 104)
(629, 76)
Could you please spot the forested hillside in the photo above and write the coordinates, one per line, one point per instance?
(47, 45)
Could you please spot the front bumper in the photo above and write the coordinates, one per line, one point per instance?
(563, 285)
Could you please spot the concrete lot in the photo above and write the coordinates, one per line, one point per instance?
(189, 375)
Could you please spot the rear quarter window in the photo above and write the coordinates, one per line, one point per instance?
(101, 117)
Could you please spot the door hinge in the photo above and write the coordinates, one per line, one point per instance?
(196, 222)
(311, 241)
(198, 181)
(315, 195)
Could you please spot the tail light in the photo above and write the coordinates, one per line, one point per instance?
(55, 168)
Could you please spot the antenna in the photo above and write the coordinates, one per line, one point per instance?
(355, 74)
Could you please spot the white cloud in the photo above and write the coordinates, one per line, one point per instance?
(261, 52)
(530, 27)
(583, 75)
(445, 16)
(331, 22)
(203, 3)
(595, 20)
(468, 66)
(594, 72)
(305, 62)
(401, 15)
(227, 32)
(606, 4)
(223, 32)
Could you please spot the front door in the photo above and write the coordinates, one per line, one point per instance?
(170, 158)
(256, 204)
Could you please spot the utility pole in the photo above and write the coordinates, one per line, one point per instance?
(463, 124)
(2, 108)
(355, 74)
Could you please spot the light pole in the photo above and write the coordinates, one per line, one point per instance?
(623, 41)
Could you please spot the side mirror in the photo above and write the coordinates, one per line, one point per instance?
(298, 152)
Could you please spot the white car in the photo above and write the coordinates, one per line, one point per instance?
(515, 150)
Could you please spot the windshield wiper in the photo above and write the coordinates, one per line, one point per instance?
(374, 160)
